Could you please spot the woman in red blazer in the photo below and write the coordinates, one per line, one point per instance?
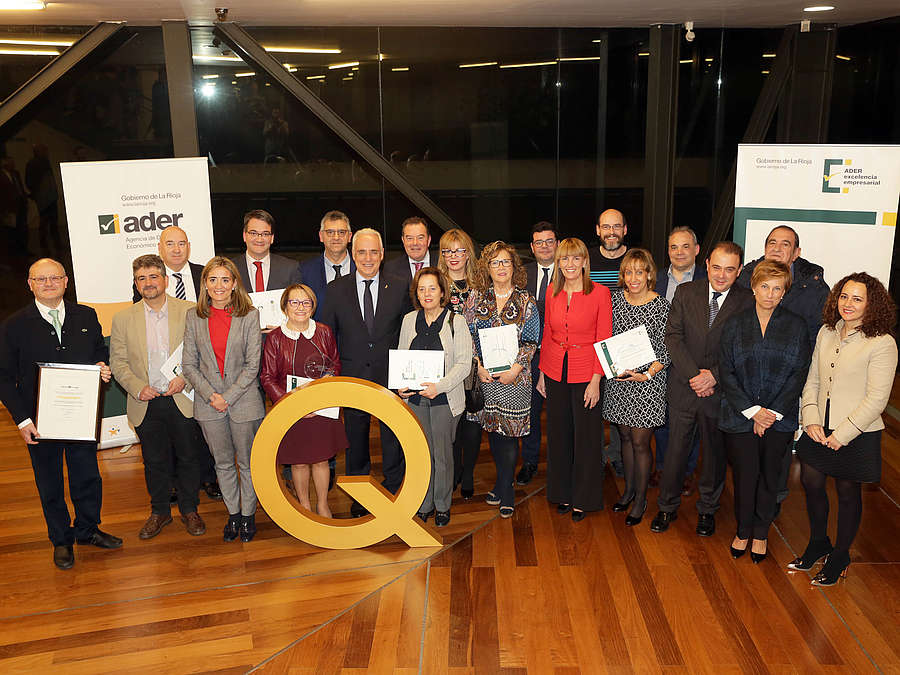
(577, 314)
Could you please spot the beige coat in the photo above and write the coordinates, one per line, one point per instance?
(128, 354)
(856, 374)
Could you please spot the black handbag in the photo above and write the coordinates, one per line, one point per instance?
(471, 385)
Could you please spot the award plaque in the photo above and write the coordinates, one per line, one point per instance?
(68, 402)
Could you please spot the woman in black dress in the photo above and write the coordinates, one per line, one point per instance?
(848, 387)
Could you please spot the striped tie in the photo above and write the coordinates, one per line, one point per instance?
(179, 286)
(714, 307)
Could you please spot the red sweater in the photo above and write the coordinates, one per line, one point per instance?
(574, 329)
(219, 325)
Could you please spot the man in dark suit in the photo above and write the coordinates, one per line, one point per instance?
(416, 254)
(365, 311)
(540, 276)
(699, 310)
(52, 330)
(683, 250)
(335, 261)
(184, 276)
(260, 269)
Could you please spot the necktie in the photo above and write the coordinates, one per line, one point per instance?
(57, 326)
(179, 286)
(337, 271)
(542, 291)
(369, 307)
(260, 284)
(418, 266)
(713, 307)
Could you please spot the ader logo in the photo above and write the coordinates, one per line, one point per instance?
(830, 173)
(109, 224)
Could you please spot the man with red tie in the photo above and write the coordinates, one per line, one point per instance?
(416, 240)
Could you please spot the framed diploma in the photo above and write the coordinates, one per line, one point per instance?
(625, 351)
(68, 402)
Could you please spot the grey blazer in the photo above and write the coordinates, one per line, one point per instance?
(239, 388)
(457, 356)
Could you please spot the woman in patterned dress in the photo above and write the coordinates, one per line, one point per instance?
(636, 401)
(498, 299)
(457, 261)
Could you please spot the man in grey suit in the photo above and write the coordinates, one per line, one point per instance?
(699, 310)
(260, 269)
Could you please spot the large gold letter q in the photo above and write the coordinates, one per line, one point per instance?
(391, 514)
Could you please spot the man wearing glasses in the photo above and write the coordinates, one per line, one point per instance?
(540, 276)
(416, 240)
(335, 262)
(52, 330)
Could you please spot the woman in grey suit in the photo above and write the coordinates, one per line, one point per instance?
(222, 345)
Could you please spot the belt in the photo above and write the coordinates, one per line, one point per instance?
(569, 345)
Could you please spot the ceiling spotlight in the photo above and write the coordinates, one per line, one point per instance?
(689, 33)
(23, 4)
(819, 8)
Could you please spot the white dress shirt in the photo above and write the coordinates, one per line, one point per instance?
(187, 279)
(361, 289)
(329, 268)
(251, 270)
(425, 262)
(540, 276)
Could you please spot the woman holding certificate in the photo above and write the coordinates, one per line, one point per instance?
(221, 361)
(438, 405)
(457, 261)
(763, 359)
(577, 313)
(636, 400)
(306, 349)
(848, 387)
(504, 321)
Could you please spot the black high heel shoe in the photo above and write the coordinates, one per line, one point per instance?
(577, 515)
(815, 551)
(631, 521)
(467, 493)
(759, 557)
(738, 552)
(835, 568)
(618, 507)
(563, 509)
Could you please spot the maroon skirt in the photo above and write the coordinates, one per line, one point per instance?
(313, 439)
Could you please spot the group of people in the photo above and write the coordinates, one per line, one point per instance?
(743, 355)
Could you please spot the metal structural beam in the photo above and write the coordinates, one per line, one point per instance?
(80, 52)
(662, 111)
(253, 53)
(803, 114)
(180, 80)
(757, 128)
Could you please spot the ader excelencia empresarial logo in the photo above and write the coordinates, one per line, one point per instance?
(110, 224)
(848, 176)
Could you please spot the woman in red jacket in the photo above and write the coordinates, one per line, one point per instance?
(304, 348)
(577, 314)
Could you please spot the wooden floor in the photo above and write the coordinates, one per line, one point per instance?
(533, 594)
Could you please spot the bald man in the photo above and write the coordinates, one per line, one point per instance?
(184, 276)
(53, 330)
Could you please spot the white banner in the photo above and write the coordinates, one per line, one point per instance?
(840, 199)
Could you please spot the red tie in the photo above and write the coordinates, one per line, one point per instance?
(418, 266)
(260, 284)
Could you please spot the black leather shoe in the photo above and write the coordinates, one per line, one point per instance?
(563, 509)
(623, 505)
(101, 539)
(467, 493)
(63, 556)
(815, 551)
(423, 516)
(758, 557)
(706, 525)
(232, 528)
(738, 552)
(357, 510)
(631, 520)
(577, 516)
(248, 528)
(835, 568)
(526, 473)
(212, 490)
(662, 520)
(442, 518)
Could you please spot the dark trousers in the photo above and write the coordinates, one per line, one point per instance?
(574, 442)
(465, 452)
(168, 438)
(756, 463)
(531, 444)
(661, 436)
(393, 464)
(682, 428)
(85, 488)
(504, 449)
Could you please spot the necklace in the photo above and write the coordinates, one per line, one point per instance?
(503, 296)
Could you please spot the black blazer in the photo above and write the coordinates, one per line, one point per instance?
(26, 339)
(768, 371)
(313, 272)
(692, 345)
(364, 355)
(196, 274)
(531, 269)
(282, 272)
(399, 266)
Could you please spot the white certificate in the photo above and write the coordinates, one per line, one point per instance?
(409, 368)
(269, 305)
(172, 369)
(294, 381)
(499, 347)
(68, 402)
(625, 351)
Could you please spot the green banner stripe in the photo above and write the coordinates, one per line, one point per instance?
(744, 213)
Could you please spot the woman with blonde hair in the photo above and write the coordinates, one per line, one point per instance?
(220, 359)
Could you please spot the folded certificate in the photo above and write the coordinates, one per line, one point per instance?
(625, 351)
(294, 381)
(409, 368)
(269, 305)
(172, 368)
(499, 347)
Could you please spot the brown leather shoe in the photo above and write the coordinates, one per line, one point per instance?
(654, 480)
(194, 524)
(154, 525)
(688, 486)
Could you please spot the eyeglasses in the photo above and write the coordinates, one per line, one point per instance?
(618, 227)
(259, 235)
(545, 242)
(336, 233)
(294, 304)
(505, 262)
(452, 252)
(43, 280)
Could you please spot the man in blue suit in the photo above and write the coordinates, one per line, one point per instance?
(683, 249)
(335, 262)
